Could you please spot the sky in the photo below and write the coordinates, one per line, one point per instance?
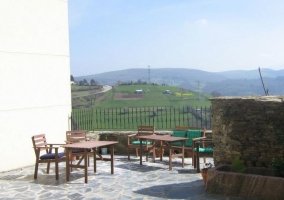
(209, 35)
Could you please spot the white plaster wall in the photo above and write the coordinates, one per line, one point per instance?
(35, 94)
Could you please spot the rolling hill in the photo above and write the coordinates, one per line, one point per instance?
(227, 83)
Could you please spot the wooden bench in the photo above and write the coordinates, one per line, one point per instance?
(188, 132)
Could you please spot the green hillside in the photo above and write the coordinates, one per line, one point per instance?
(153, 96)
(227, 83)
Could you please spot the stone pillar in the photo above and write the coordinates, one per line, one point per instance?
(249, 127)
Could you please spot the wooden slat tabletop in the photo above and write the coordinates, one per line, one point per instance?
(89, 144)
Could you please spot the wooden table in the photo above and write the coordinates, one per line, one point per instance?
(85, 146)
(166, 138)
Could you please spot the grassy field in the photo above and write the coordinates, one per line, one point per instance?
(130, 118)
(82, 96)
(121, 108)
(152, 97)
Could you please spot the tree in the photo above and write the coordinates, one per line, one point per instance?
(72, 78)
(81, 82)
(215, 94)
(93, 82)
(139, 82)
(86, 82)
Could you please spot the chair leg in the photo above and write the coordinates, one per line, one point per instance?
(36, 169)
(136, 152)
(204, 159)
(128, 154)
(47, 168)
(146, 156)
(56, 171)
(71, 169)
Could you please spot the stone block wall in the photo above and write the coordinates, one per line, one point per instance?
(249, 127)
(121, 137)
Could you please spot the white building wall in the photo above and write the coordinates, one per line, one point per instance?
(35, 94)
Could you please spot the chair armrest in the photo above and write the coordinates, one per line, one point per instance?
(200, 141)
(54, 144)
(46, 147)
(132, 135)
(199, 138)
(129, 138)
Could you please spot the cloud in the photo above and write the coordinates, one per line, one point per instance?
(202, 21)
(265, 55)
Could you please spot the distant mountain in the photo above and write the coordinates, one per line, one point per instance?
(227, 83)
(161, 75)
(251, 74)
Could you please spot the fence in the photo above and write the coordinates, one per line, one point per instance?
(129, 118)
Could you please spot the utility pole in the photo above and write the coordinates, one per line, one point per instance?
(149, 75)
(198, 85)
(265, 90)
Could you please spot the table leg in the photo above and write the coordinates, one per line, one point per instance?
(67, 164)
(154, 153)
(111, 158)
(170, 156)
(183, 153)
(95, 159)
(197, 159)
(193, 156)
(86, 165)
(140, 151)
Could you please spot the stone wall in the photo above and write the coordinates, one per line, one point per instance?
(121, 137)
(249, 127)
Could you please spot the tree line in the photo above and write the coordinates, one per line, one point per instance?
(84, 82)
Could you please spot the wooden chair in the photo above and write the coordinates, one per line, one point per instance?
(201, 147)
(190, 133)
(40, 144)
(134, 143)
(78, 136)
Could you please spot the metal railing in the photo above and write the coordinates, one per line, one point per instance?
(163, 118)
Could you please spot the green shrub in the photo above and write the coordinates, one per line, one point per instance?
(238, 165)
(278, 166)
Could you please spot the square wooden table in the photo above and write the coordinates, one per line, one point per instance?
(163, 138)
(86, 146)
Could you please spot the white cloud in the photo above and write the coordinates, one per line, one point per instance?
(202, 21)
(265, 55)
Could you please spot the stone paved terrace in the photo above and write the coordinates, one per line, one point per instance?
(151, 181)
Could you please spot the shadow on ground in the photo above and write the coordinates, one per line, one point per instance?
(175, 191)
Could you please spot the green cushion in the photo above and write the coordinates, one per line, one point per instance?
(205, 150)
(190, 135)
(178, 133)
(137, 142)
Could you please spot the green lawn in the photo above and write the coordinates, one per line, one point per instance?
(153, 97)
(164, 111)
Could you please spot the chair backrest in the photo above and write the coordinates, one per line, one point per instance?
(189, 132)
(76, 136)
(186, 128)
(180, 131)
(39, 141)
(146, 130)
(182, 128)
